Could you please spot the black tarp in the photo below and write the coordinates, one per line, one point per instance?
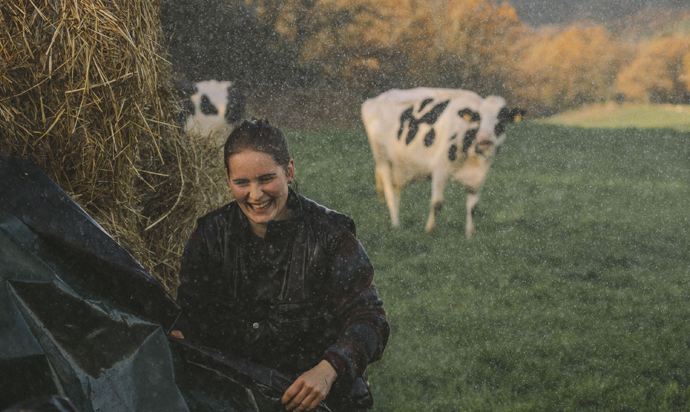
(82, 322)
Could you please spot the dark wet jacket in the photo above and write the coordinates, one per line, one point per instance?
(301, 294)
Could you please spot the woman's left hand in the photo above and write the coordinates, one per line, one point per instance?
(310, 388)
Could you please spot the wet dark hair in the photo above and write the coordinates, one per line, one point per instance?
(257, 135)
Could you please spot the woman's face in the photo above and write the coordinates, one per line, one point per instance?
(260, 186)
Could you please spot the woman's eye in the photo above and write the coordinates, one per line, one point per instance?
(265, 179)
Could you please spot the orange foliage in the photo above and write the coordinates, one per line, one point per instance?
(659, 72)
(573, 67)
(478, 44)
(340, 38)
(451, 43)
(373, 45)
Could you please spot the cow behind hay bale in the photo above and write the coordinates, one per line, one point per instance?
(85, 91)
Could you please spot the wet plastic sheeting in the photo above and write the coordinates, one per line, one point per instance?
(19, 349)
(54, 340)
(97, 261)
(51, 403)
(215, 381)
(83, 325)
(79, 317)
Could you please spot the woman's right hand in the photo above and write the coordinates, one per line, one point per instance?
(176, 334)
(310, 388)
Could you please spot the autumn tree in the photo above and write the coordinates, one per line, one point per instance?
(459, 43)
(312, 29)
(659, 72)
(357, 51)
(568, 68)
(400, 43)
(478, 44)
(352, 42)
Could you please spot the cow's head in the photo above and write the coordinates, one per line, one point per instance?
(494, 116)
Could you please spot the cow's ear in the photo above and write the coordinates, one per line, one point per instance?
(517, 114)
(511, 115)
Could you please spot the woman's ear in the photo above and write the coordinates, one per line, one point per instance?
(291, 171)
(227, 175)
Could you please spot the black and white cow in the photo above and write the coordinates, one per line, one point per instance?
(210, 107)
(438, 133)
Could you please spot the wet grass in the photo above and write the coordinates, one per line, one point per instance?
(573, 296)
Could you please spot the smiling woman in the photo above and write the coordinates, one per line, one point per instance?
(280, 280)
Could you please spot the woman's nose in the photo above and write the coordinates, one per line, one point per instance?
(255, 191)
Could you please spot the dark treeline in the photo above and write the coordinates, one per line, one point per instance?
(371, 46)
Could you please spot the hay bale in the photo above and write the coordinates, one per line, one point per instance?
(85, 91)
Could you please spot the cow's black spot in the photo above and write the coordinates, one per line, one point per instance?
(470, 136)
(207, 107)
(412, 131)
(406, 115)
(429, 118)
(435, 113)
(429, 138)
(500, 128)
(474, 116)
(507, 115)
(424, 103)
(453, 153)
(453, 136)
(437, 208)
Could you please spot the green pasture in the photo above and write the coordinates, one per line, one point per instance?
(573, 296)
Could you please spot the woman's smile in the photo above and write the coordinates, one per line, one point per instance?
(260, 206)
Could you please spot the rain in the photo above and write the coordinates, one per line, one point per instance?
(505, 182)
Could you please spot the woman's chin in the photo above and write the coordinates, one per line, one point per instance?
(261, 217)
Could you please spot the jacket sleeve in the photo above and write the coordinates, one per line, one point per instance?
(358, 309)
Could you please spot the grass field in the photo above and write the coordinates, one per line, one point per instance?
(573, 296)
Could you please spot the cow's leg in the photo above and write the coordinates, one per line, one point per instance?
(396, 204)
(391, 193)
(379, 185)
(438, 186)
(472, 200)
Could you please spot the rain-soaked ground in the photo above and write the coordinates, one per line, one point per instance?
(573, 294)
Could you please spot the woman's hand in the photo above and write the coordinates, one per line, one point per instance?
(310, 388)
(176, 334)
